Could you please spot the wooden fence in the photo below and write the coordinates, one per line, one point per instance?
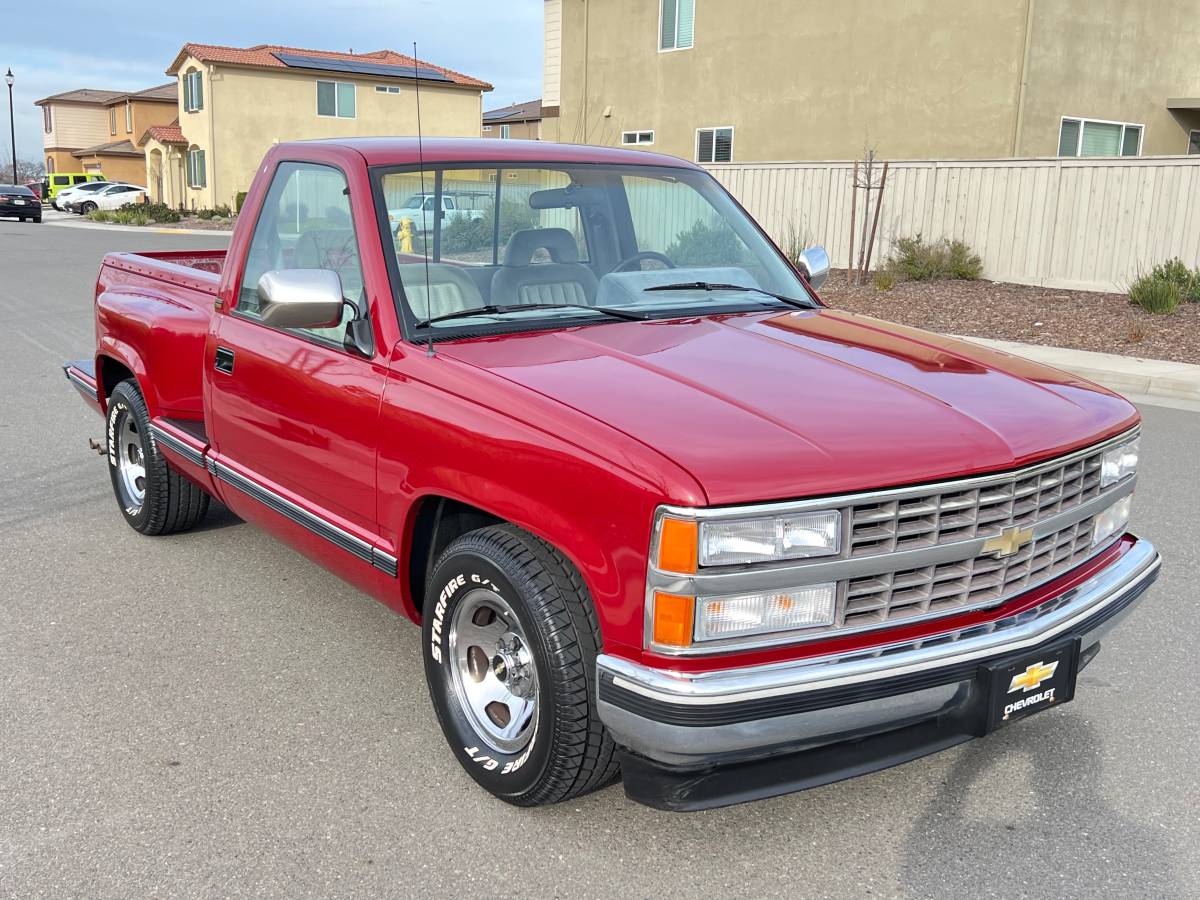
(1090, 224)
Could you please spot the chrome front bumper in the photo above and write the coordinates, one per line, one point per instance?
(691, 721)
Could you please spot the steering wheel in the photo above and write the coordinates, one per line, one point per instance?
(628, 261)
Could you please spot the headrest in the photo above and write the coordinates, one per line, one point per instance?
(558, 242)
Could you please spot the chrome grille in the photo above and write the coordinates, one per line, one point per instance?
(944, 517)
(946, 588)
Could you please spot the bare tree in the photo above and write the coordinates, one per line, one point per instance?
(27, 169)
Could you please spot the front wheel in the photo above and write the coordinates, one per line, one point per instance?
(510, 646)
(86, 208)
(154, 498)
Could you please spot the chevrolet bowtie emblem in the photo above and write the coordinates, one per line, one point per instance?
(1008, 541)
(1032, 676)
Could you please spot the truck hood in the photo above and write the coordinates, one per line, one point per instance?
(780, 406)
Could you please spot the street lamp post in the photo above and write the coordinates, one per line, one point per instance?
(12, 129)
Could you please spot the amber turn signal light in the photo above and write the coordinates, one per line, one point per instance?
(678, 546)
(673, 619)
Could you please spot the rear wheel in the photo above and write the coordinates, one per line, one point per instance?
(154, 498)
(510, 655)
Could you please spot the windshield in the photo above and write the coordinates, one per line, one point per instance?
(565, 244)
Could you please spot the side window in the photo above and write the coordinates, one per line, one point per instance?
(60, 180)
(78, 179)
(305, 223)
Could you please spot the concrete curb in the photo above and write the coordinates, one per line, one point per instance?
(149, 229)
(1145, 378)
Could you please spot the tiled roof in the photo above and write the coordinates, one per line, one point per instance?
(263, 55)
(164, 134)
(528, 111)
(82, 95)
(112, 148)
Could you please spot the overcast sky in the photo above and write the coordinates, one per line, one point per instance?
(130, 46)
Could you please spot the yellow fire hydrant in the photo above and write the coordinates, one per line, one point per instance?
(404, 234)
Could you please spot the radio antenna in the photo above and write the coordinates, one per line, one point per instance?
(437, 212)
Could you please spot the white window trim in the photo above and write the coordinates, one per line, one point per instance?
(385, 89)
(635, 142)
(1083, 120)
(714, 129)
(658, 34)
(189, 92)
(190, 164)
(48, 118)
(128, 117)
(487, 129)
(506, 131)
(317, 100)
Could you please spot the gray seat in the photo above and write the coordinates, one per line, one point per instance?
(449, 289)
(562, 280)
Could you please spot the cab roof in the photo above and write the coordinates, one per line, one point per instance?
(401, 151)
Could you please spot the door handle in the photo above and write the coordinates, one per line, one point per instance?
(224, 360)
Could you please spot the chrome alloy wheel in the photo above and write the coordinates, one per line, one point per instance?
(493, 672)
(131, 462)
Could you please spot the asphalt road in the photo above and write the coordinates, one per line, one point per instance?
(211, 715)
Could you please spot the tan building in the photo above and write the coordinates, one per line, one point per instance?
(814, 79)
(95, 131)
(519, 121)
(234, 103)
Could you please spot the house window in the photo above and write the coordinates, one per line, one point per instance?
(637, 137)
(128, 117)
(196, 175)
(47, 119)
(112, 120)
(714, 145)
(1096, 137)
(193, 91)
(676, 20)
(387, 89)
(1194, 142)
(50, 164)
(505, 131)
(487, 129)
(335, 99)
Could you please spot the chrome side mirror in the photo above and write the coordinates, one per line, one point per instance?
(300, 298)
(814, 263)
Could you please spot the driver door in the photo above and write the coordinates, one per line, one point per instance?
(294, 411)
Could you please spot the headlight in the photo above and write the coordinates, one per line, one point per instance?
(1112, 521)
(1119, 462)
(805, 607)
(794, 536)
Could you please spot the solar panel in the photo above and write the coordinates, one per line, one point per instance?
(355, 67)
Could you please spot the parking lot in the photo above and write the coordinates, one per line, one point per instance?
(210, 714)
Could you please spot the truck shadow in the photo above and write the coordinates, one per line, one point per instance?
(1050, 825)
(219, 516)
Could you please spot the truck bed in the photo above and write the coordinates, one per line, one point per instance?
(196, 269)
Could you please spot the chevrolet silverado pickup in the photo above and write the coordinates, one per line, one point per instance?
(660, 512)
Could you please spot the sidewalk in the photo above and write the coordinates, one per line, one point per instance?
(67, 220)
(1148, 380)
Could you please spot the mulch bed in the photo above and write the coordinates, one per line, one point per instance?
(1084, 320)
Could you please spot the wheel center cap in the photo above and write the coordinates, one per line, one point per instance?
(500, 666)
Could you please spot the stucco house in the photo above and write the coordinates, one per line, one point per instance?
(235, 102)
(518, 121)
(88, 130)
(819, 79)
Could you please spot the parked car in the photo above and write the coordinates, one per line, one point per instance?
(79, 192)
(19, 201)
(36, 187)
(419, 210)
(54, 182)
(657, 509)
(112, 196)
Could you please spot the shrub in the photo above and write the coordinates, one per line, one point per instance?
(796, 242)
(100, 215)
(708, 245)
(1185, 279)
(205, 214)
(462, 235)
(884, 280)
(222, 211)
(152, 212)
(919, 260)
(1155, 294)
(238, 200)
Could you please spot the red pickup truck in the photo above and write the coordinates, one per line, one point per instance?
(658, 510)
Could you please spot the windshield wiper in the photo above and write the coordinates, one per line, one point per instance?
(493, 309)
(718, 286)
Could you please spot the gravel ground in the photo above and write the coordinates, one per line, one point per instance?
(1085, 320)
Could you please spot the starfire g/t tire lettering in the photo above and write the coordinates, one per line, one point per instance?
(510, 642)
